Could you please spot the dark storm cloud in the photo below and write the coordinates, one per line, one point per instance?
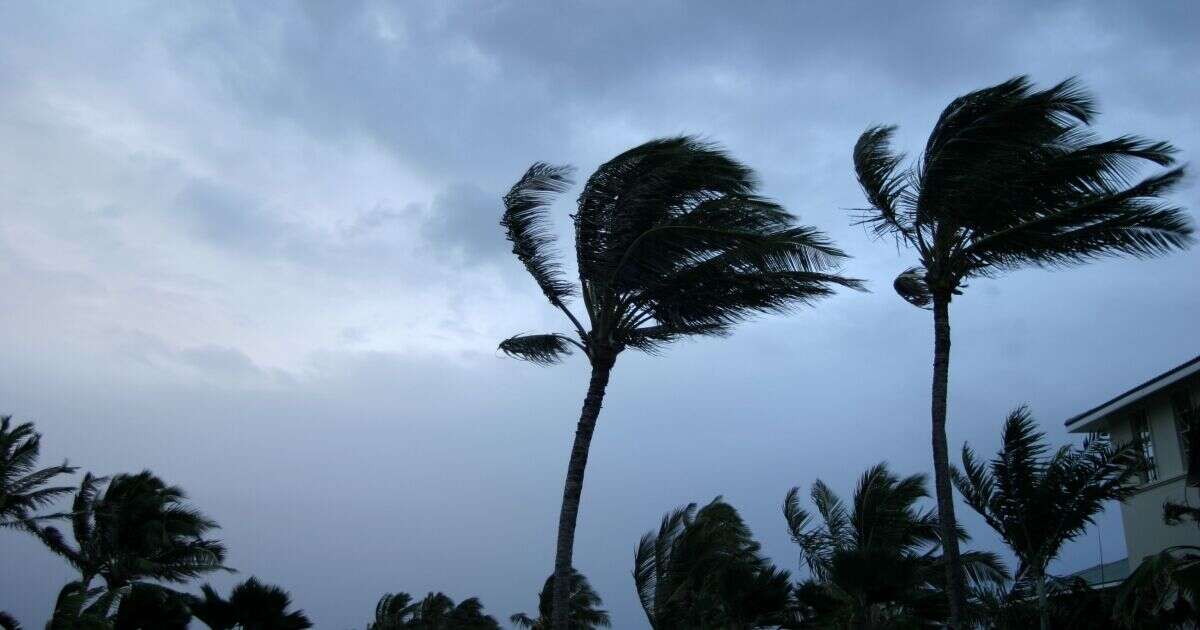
(254, 247)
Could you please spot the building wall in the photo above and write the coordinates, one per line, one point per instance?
(1145, 531)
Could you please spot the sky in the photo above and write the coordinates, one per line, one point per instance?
(253, 247)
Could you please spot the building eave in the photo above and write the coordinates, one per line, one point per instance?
(1091, 419)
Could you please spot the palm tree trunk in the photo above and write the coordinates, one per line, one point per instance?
(602, 363)
(941, 458)
(1043, 605)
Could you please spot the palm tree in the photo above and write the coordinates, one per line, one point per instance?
(22, 488)
(152, 607)
(671, 241)
(139, 528)
(252, 605)
(437, 611)
(1010, 177)
(1162, 592)
(8, 622)
(585, 607)
(703, 569)
(1038, 502)
(875, 564)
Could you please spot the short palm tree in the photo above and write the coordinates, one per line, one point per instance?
(586, 613)
(1010, 177)
(152, 607)
(671, 241)
(23, 489)
(8, 622)
(876, 563)
(703, 569)
(138, 528)
(252, 605)
(437, 611)
(1162, 592)
(1037, 501)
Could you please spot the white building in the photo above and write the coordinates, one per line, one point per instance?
(1157, 411)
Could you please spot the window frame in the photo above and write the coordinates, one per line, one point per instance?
(1138, 419)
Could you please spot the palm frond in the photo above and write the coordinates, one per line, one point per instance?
(876, 166)
(527, 227)
(541, 349)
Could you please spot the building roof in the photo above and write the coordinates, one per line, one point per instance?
(1105, 574)
(1086, 420)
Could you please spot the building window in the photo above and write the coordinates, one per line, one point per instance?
(1141, 432)
(1185, 417)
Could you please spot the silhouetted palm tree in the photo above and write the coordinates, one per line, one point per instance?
(671, 241)
(703, 569)
(22, 488)
(1036, 501)
(585, 607)
(435, 612)
(875, 564)
(252, 605)
(1162, 592)
(8, 622)
(1010, 177)
(139, 528)
(151, 607)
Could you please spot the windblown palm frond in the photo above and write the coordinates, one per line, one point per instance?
(703, 569)
(23, 488)
(252, 605)
(527, 226)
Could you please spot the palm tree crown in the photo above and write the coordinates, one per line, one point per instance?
(1037, 501)
(139, 528)
(877, 562)
(22, 488)
(1011, 177)
(703, 569)
(671, 240)
(585, 607)
(437, 611)
(252, 605)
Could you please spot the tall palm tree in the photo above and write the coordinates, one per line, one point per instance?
(252, 605)
(22, 488)
(585, 607)
(138, 528)
(1037, 501)
(876, 563)
(437, 611)
(671, 241)
(1010, 177)
(703, 569)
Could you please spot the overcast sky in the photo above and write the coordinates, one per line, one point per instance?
(254, 249)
